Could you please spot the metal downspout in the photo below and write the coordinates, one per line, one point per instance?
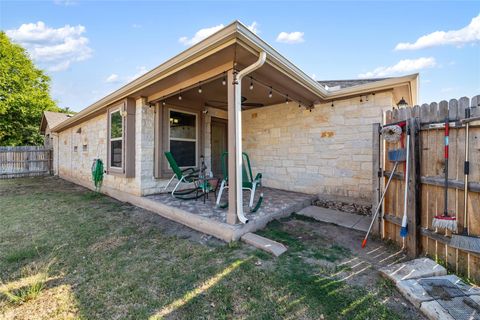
(238, 131)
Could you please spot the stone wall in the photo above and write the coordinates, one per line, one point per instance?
(327, 151)
(76, 165)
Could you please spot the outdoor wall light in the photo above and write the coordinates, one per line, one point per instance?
(402, 103)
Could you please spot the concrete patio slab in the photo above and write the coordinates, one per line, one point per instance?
(273, 247)
(344, 219)
(413, 269)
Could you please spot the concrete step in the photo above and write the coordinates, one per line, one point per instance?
(273, 247)
(413, 269)
(344, 219)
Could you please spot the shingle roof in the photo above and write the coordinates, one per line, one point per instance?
(342, 84)
(52, 119)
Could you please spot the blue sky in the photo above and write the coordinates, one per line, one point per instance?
(91, 48)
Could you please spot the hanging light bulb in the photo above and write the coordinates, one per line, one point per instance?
(299, 105)
(200, 89)
(251, 83)
(361, 100)
(286, 100)
(224, 80)
(179, 97)
(332, 104)
(163, 103)
(270, 94)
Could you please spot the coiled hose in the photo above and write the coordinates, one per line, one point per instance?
(97, 173)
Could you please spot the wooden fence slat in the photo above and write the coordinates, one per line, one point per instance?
(23, 161)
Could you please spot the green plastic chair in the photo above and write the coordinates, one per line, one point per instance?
(187, 175)
(248, 182)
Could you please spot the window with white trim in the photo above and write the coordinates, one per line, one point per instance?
(183, 137)
(116, 139)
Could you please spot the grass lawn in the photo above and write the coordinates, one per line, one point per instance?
(66, 252)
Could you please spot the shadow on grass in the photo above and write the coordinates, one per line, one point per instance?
(120, 263)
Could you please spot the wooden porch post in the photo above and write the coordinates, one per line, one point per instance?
(232, 189)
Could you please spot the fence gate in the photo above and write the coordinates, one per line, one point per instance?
(25, 161)
(426, 181)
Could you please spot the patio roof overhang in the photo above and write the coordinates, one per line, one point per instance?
(235, 46)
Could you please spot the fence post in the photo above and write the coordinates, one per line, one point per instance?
(414, 197)
(376, 175)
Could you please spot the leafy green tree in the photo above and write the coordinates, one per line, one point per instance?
(24, 95)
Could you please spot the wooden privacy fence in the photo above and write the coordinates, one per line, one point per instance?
(25, 161)
(426, 181)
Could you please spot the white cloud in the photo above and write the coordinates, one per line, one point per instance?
(65, 2)
(115, 78)
(403, 66)
(200, 35)
(56, 48)
(290, 37)
(470, 33)
(254, 27)
(140, 71)
(112, 78)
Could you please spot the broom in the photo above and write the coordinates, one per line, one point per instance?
(464, 241)
(445, 221)
(404, 228)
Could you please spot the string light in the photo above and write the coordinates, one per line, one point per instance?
(286, 99)
(163, 103)
(251, 83)
(179, 97)
(200, 89)
(224, 80)
(270, 94)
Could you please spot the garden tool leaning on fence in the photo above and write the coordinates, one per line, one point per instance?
(391, 134)
(465, 241)
(445, 221)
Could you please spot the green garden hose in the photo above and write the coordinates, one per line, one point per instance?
(97, 173)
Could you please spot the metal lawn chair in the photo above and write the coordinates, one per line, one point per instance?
(248, 182)
(188, 175)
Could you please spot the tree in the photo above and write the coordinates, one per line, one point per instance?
(24, 95)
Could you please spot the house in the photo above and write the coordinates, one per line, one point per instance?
(232, 91)
(49, 120)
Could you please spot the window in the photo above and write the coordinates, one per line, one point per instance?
(183, 137)
(85, 148)
(116, 139)
(75, 149)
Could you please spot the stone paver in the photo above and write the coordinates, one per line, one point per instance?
(413, 269)
(263, 243)
(438, 297)
(344, 219)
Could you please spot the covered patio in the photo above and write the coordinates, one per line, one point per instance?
(198, 117)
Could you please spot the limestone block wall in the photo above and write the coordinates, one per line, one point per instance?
(327, 151)
(76, 164)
